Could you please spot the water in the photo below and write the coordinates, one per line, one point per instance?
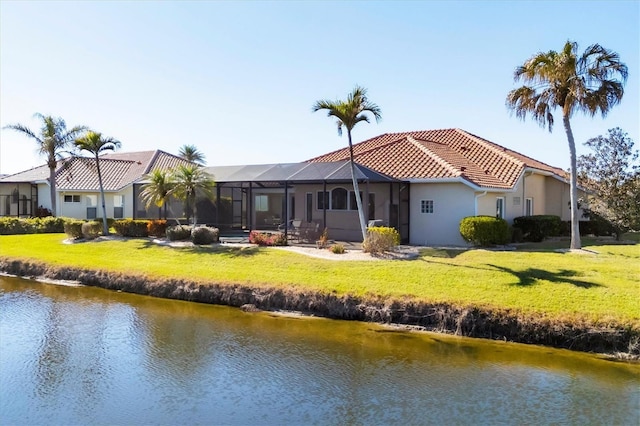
(79, 355)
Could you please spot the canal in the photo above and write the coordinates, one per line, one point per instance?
(82, 355)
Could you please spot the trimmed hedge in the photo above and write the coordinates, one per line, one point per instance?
(157, 227)
(35, 225)
(73, 228)
(484, 230)
(131, 227)
(178, 233)
(537, 228)
(203, 235)
(267, 238)
(92, 229)
(380, 239)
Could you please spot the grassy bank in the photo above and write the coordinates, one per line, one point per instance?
(534, 281)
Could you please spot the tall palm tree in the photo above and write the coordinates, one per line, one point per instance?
(592, 82)
(158, 190)
(349, 113)
(191, 153)
(190, 180)
(53, 140)
(96, 144)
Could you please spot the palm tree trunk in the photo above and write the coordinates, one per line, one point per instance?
(576, 244)
(105, 227)
(363, 226)
(52, 187)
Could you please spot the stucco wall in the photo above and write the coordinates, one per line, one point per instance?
(79, 210)
(451, 202)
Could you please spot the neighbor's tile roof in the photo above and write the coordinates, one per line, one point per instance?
(118, 170)
(449, 153)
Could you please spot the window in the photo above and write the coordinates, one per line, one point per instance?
(338, 199)
(323, 200)
(309, 207)
(353, 203)
(426, 206)
(118, 206)
(528, 207)
(262, 203)
(500, 207)
(92, 212)
(71, 198)
(516, 201)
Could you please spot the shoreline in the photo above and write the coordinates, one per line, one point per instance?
(468, 321)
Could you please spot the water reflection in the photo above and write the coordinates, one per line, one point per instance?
(85, 355)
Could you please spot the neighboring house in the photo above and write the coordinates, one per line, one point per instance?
(77, 188)
(421, 183)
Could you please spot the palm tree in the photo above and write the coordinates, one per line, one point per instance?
(349, 113)
(96, 144)
(189, 181)
(191, 153)
(158, 190)
(573, 83)
(52, 142)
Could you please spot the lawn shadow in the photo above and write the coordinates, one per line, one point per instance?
(529, 277)
(222, 249)
(553, 244)
(441, 253)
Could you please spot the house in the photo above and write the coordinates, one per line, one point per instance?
(77, 189)
(452, 174)
(421, 183)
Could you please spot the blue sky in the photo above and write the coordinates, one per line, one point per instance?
(238, 79)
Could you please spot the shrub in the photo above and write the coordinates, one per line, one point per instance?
(131, 227)
(91, 230)
(73, 228)
(337, 249)
(204, 235)
(13, 225)
(537, 228)
(597, 225)
(380, 239)
(157, 227)
(43, 212)
(267, 238)
(178, 233)
(484, 230)
(110, 221)
(51, 224)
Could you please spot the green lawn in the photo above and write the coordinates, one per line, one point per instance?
(534, 279)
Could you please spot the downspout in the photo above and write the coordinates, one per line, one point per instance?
(475, 207)
(524, 194)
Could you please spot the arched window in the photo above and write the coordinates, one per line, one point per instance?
(339, 199)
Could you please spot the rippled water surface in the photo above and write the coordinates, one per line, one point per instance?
(79, 355)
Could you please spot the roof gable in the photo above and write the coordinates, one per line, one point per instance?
(441, 154)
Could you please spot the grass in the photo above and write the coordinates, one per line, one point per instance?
(602, 287)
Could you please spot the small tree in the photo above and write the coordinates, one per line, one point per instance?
(189, 181)
(611, 173)
(94, 143)
(53, 140)
(157, 190)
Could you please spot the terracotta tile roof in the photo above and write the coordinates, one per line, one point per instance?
(118, 170)
(439, 154)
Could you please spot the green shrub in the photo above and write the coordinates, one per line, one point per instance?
(380, 239)
(157, 227)
(131, 227)
(537, 228)
(73, 228)
(91, 230)
(267, 238)
(203, 235)
(110, 221)
(337, 249)
(596, 225)
(178, 232)
(12, 226)
(51, 224)
(484, 230)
